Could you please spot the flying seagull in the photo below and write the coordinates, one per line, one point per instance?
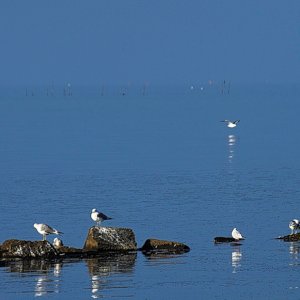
(231, 124)
(45, 229)
(98, 217)
(294, 226)
(236, 235)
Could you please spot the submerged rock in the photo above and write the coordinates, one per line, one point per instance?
(110, 239)
(27, 249)
(290, 238)
(160, 246)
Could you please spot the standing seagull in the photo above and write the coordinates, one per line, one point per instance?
(231, 124)
(294, 226)
(98, 217)
(45, 229)
(236, 235)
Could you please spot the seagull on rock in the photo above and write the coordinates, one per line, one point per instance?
(294, 226)
(45, 229)
(237, 235)
(57, 243)
(98, 217)
(231, 124)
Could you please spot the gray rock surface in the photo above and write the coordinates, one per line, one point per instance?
(110, 239)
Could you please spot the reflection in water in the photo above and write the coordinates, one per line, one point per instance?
(155, 259)
(48, 273)
(41, 286)
(24, 266)
(101, 268)
(236, 257)
(231, 145)
(57, 269)
(294, 249)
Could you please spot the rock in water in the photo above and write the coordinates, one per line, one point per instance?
(154, 245)
(221, 239)
(290, 238)
(110, 239)
(27, 249)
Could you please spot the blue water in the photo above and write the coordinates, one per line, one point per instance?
(164, 165)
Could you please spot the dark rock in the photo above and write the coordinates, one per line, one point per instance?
(221, 239)
(70, 252)
(110, 239)
(290, 238)
(160, 246)
(27, 249)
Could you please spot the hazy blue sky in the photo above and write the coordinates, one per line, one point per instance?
(166, 41)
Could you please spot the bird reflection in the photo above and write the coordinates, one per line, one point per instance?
(57, 269)
(231, 146)
(294, 250)
(41, 286)
(236, 257)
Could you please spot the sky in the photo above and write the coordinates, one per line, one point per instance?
(159, 42)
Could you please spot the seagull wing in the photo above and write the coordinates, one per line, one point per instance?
(47, 228)
(103, 216)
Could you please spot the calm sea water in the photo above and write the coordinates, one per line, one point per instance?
(164, 165)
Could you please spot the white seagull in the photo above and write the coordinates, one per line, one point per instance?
(98, 217)
(294, 226)
(231, 124)
(57, 243)
(237, 235)
(45, 229)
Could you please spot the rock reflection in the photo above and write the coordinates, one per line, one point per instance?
(236, 257)
(155, 259)
(24, 266)
(100, 268)
(48, 273)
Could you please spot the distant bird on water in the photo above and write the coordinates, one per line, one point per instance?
(231, 124)
(45, 229)
(294, 226)
(237, 235)
(98, 217)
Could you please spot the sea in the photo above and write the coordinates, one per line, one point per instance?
(158, 160)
